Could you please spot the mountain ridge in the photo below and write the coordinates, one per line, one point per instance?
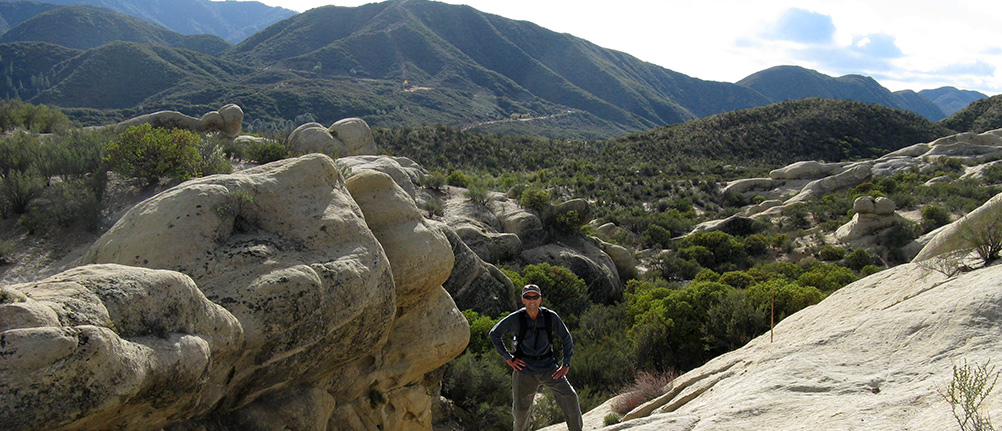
(232, 21)
(423, 62)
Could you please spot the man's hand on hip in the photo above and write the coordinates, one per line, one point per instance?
(561, 372)
(516, 364)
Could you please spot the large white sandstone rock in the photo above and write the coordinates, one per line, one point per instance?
(107, 346)
(228, 120)
(328, 312)
(806, 170)
(850, 177)
(356, 135)
(958, 235)
(315, 138)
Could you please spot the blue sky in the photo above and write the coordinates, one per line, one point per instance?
(903, 44)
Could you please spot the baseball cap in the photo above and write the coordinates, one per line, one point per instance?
(531, 288)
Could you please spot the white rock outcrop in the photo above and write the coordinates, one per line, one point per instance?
(279, 297)
(228, 120)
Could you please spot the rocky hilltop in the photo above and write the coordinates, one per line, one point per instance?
(306, 294)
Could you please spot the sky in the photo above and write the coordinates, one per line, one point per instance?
(903, 44)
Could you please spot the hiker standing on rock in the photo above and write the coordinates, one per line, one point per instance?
(533, 360)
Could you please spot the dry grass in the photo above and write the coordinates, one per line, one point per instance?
(646, 387)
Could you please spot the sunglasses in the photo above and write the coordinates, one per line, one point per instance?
(531, 297)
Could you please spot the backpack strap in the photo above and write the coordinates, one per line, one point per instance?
(523, 327)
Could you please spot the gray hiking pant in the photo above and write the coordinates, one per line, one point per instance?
(523, 389)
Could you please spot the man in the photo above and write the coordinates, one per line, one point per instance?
(533, 360)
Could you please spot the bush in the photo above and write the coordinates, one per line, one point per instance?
(480, 384)
(18, 188)
(478, 195)
(457, 179)
(827, 277)
(967, 392)
(38, 119)
(214, 159)
(149, 153)
(63, 204)
(534, 198)
(266, 152)
(563, 291)
(829, 253)
(656, 236)
(738, 279)
(858, 259)
(435, 181)
(934, 216)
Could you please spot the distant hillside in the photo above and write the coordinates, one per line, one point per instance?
(13, 13)
(124, 74)
(520, 65)
(793, 82)
(980, 116)
(950, 99)
(27, 67)
(86, 27)
(769, 136)
(806, 129)
(231, 20)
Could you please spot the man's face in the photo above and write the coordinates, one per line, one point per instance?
(531, 300)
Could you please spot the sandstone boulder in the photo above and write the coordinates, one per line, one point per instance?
(404, 171)
(108, 346)
(328, 303)
(849, 178)
(356, 135)
(315, 138)
(873, 215)
(806, 170)
(227, 120)
(585, 258)
(477, 285)
(746, 185)
(958, 235)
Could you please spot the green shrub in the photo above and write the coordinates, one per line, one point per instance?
(457, 179)
(967, 392)
(611, 419)
(656, 236)
(6, 253)
(480, 385)
(480, 325)
(756, 245)
(829, 253)
(534, 198)
(858, 259)
(35, 118)
(478, 195)
(435, 181)
(434, 206)
(18, 188)
(63, 204)
(214, 158)
(934, 216)
(266, 152)
(738, 279)
(827, 277)
(563, 291)
(149, 153)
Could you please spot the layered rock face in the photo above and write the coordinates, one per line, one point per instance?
(275, 298)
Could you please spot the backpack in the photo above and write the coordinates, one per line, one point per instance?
(523, 327)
